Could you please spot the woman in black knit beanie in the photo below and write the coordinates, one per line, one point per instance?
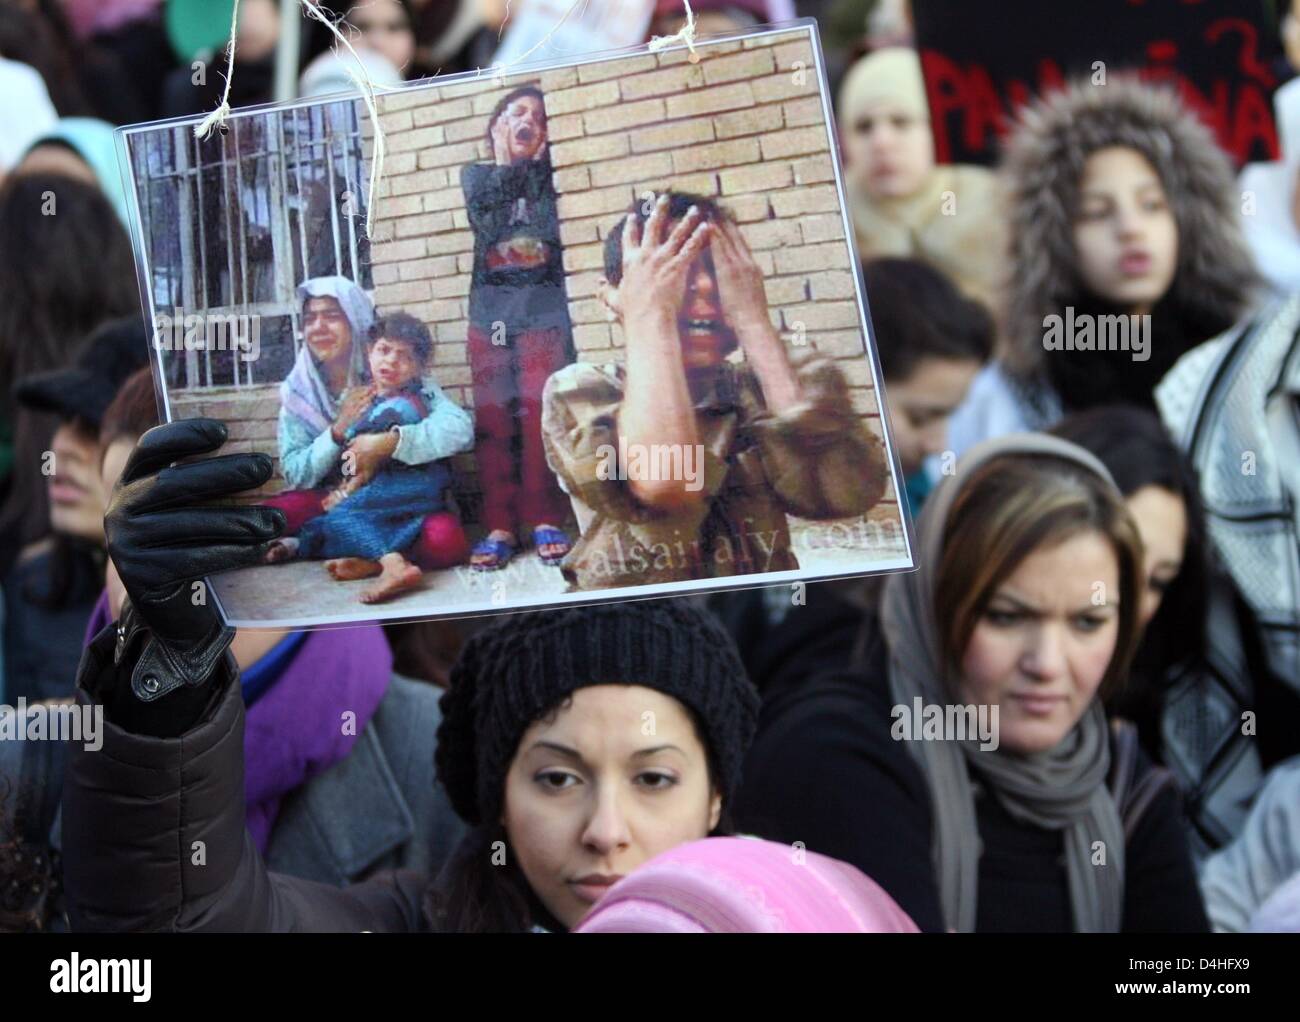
(578, 744)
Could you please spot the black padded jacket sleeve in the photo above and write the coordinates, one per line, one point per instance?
(154, 835)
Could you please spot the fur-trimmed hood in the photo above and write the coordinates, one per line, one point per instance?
(1042, 168)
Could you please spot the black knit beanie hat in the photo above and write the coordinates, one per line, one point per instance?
(520, 668)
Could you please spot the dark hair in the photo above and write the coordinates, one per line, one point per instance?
(918, 313)
(61, 276)
(678, 204)
(403, 328)
(133, 411)
(477, 893)
(506, 100)
(1137, 451)
(425, 650)
(34, 38)
(63, 145)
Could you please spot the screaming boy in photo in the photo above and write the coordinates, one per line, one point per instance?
(776, 435)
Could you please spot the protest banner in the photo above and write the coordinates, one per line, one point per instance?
(984, 59)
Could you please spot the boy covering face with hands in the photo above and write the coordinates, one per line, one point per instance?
(772, 436)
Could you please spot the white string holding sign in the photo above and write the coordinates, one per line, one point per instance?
(686, 34)
(216, 120)
(367, 88)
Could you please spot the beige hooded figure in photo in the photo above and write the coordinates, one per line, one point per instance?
(902, 204)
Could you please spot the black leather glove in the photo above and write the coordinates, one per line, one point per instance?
(163, 536)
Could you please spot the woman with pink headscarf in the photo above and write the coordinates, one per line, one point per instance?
(744, 885)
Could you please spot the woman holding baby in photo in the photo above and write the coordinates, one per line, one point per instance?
(363, 432)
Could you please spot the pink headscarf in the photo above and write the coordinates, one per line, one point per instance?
(744, 885)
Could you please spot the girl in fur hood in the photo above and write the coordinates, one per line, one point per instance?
(1121, 205)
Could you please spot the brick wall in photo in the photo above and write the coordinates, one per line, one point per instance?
(743, 125)
(250, 415)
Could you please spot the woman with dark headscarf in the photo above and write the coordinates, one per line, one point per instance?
(968, 757)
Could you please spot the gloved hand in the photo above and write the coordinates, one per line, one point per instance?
(163, 535)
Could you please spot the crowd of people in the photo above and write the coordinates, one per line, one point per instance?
(1106, 602)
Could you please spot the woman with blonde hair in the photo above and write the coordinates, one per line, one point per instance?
(965, 763)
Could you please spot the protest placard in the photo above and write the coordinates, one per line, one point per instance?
(608, 327)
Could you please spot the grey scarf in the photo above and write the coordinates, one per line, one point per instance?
(1061, 789)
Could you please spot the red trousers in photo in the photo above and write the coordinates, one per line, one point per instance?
(519, 489)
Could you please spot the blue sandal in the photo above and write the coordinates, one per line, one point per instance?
(498, 549)
(547, 534)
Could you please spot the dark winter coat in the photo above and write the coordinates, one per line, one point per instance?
(154, 835)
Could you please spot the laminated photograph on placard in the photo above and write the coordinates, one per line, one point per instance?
(599, 332)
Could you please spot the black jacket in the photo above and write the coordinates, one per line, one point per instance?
(154, 835)
(41, 643)
(518, 277)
